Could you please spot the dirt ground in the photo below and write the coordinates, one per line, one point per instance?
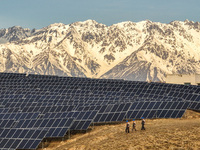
(172, 134)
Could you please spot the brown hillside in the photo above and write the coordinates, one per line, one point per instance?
(174, 134)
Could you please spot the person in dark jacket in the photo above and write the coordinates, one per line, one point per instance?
(127, 126)
(134, 125)
(143, 123)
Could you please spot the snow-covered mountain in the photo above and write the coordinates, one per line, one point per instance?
(136, 51)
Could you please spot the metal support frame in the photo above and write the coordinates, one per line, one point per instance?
(69, 134)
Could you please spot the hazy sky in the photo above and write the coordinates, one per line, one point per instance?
(41, 13)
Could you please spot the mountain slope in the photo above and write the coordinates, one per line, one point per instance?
(136, 51)
(168, 49)
(13, 34)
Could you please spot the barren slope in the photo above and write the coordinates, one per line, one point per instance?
(160, 134)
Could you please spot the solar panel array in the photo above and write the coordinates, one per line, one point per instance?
(36, 107)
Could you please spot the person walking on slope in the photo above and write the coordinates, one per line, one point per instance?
(134, 125)
(143, 123)
(127, 126)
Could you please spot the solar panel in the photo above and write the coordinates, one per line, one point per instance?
(57, 132)
(48, 102)
(44, 123)
(81, 125)
(22, 144)
(21, 138)
(6, 123)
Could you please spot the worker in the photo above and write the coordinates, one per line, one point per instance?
(134, 125)
(143, 123)
(127, 126)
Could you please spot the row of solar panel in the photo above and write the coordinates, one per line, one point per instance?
(44, 123)
(10, 123)
(57, 129)
(33, 108)
(11, 117)
(82, 89)
(70, 88)
(56, 132)
(21, 138)
(25, 131)
(89, 103)
(75, 99)
(190, 97)
(92, 102)
(197, 90)
(28, 104)
(19, 116)
(15, 133)
(48, 120)
(30, 94)
(93, 82)
(137, 106)
(137, 114)
(42, 109)
(19, 106)
(28, 107)
(102, 108)
(78, 115)
(110, 117)
(51, 78)
(101, 117)
(155, 106)
(14, 93)
(68, 95)
(51, 106)
(24, 102)
(159, 105)
(155, 113)
(94, 91)
(6, 144)
(81, 124)
(32, 133)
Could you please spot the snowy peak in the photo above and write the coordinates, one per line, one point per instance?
(88, 24)
(144, 50)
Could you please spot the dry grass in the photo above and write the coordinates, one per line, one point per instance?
(172, 134)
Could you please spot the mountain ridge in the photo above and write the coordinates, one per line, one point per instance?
(135, 51)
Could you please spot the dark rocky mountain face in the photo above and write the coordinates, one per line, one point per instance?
(14, 33)
(135, 51)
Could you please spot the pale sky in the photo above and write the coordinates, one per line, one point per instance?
(41, 13)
